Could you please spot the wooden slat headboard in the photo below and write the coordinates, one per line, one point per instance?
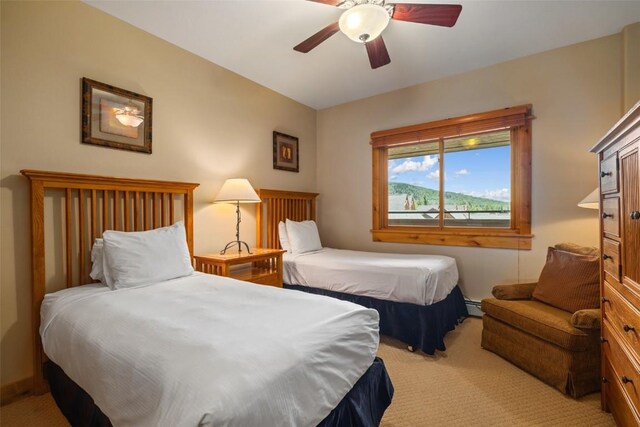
(93, 204)
(276, 206)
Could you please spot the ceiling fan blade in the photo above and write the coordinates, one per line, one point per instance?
(444, 15)
(317, 38)
(378, 55)
(329, 2)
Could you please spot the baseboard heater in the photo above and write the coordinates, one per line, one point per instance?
(473, 307)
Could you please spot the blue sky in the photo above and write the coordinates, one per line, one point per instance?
(481, 172)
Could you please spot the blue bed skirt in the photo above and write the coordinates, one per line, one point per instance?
(366, 402)
(363, 406)
(421, 326)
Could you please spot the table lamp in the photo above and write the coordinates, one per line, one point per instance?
(237, 190)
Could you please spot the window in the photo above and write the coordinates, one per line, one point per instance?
(463, 181)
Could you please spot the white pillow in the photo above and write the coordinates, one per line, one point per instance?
(97, 260)
(303, 236)
(145, 257)
(284, 238)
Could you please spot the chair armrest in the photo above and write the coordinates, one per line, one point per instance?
(586, 319)
(514, 291)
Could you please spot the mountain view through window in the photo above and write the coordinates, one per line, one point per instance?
(473, 173)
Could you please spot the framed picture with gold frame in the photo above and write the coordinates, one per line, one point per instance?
(115, 118)
(285, 152)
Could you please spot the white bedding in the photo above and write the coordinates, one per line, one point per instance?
(416, 279)
(208, 350)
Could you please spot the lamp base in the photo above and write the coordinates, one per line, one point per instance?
(235, 242)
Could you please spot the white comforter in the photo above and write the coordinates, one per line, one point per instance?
(416, 279)
(206, 350)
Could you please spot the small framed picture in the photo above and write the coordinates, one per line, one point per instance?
(285, 152)
(116, 118)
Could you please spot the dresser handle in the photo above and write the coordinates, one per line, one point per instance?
(604, 380)
(628, 328)
(606, 257)
(626, 379)
(603, 174)
(603, 340)
(635, 215)
(604, 300)
(606, 215)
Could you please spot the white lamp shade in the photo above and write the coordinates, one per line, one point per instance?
(237, 190)
(592, 201)
(364, 22)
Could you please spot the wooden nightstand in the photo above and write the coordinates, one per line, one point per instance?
(263, 266)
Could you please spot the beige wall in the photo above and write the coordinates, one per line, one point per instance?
(631, 68)
(576, 97)
(208, 125)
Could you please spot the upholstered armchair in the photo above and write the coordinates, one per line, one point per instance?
(551, 328)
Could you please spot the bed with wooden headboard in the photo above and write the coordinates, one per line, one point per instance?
(69, 211)
(279, 205)
(89, 206)
(420, 326)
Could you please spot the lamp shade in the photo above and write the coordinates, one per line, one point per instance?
(364, 22)
(592, 201)
(237, 190)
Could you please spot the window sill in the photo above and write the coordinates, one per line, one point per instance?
(489, 239)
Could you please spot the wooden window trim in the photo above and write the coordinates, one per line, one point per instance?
(518, 236)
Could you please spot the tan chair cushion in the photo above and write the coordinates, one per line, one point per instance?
(569, 281)
(541, 320)
(577, 249)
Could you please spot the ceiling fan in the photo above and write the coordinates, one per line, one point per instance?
(364, 20)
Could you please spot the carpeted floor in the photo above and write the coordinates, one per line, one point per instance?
(469, 386)
(466, 386)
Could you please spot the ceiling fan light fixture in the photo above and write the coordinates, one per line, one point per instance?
(129, 120)
(129, 115)
(364, 22)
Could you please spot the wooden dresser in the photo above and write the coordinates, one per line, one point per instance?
(619, 157)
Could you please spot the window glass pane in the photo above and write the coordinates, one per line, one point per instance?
(477, 180)
(413, 187)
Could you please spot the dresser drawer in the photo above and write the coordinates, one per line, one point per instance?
(624, 318)
(609, 175)
(611, 216)
(626, 374)
(611, 258)
(624, 414)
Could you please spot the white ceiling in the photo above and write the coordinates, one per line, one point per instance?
(254, 38)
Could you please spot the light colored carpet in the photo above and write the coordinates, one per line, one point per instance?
(34, 411)
(466, 386)
(469, 386)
